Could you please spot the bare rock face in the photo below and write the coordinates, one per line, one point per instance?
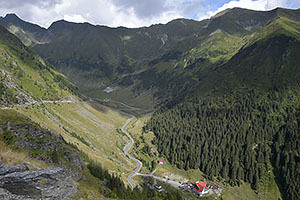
(17, 182)
(5, 169)
(33, 138)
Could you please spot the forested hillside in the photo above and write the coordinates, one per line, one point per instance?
(225, 91)
(240, 137)
(242, 120)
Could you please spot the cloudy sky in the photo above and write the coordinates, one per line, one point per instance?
(129, 13)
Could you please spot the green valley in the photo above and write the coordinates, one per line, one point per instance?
(215, 101)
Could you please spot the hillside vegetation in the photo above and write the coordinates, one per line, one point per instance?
(178, 54)
(239, 137)
(42, 120)
(25, 77)
(224, 91)
(243, 122)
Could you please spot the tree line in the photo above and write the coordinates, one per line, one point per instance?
(119, 190)
(239, 136)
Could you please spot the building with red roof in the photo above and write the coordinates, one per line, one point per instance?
(160, 162)
(199, 187)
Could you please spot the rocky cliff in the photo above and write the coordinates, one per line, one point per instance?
(20, 183)
(27, 181)
(43, 145)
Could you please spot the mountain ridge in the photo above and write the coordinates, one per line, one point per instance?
(232, 79)
(15, 16)
(96, 57)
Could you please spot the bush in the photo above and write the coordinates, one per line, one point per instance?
(8, 137)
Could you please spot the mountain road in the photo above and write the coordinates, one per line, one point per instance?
(126, 151)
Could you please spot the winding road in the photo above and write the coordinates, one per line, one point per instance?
(126, 151)
(139, 163)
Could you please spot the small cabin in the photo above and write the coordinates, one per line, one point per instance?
(160, 162)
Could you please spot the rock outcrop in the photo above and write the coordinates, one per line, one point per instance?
(20, 183)
(43, 145)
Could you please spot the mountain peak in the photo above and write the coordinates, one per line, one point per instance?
(12, 16)
(65, 25)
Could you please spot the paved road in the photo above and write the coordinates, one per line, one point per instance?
(139, 163)
(164, 180)
(126, 151)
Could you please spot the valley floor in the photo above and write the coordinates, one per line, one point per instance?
(102, 133)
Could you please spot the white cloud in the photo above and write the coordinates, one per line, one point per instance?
(261, 5)
(75, 18)
(275, 3)
(104, 12)
(129, 13)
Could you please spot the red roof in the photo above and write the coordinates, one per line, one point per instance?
(199, 186)
(202, 184)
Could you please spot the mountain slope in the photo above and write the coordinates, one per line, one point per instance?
(270, 60)
(241, 120)
(231, 85)
(30, 34)
(44, 121)
(32, 87)
(25, 77)
(265, 64)
(97, 57)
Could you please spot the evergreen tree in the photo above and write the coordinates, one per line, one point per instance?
(235, 136)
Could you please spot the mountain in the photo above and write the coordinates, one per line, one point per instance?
(26, 77)
(267, 63)
(27, 32)
(34, 156)
(96, 58)
(240, 121)
(225, 90)
(52, 143)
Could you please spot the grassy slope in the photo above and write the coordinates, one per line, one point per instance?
(269, 190)
(98, 129)
(243, 192)
(22, 71)
(27, 38)
(12, 155)
(269, 60)
(95, 57)
(93, 128)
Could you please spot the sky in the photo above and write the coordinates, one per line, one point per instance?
(128, 13)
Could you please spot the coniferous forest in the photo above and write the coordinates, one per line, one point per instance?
(241, 136)
(117, 188)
